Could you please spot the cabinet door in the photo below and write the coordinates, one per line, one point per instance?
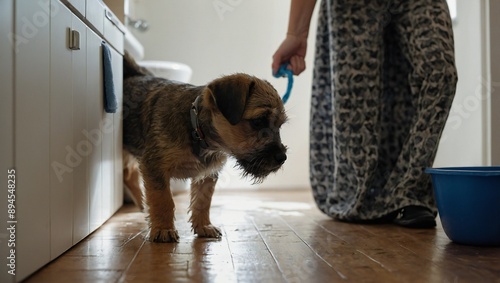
(105, 132)
(64, 159)
(95, 106)
(108, 164)
(6, 127)
(82, 145)
(118, 131)
(94, 13)
(78, 5)
(32, 124)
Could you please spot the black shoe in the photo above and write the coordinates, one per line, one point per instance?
(415, 217)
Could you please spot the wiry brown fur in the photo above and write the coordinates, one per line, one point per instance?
(240, 116)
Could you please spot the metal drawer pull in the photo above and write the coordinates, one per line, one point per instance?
(74, 39)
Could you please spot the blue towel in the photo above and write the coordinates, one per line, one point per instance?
(110, 104)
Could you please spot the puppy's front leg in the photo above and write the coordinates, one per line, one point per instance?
(201, 199)
(161, 208)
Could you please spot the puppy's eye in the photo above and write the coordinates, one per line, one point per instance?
(259, 123)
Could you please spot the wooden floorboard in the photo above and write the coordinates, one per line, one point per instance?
(270, 236)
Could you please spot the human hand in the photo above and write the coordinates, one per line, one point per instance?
(292, 50)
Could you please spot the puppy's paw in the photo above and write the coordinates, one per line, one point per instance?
(163, 236)
(208, 231)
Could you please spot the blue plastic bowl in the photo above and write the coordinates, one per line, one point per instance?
(468, 201)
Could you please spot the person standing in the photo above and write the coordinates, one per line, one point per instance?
(384, 79)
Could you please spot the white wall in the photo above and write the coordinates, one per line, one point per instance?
(217, 42)
(493, 46)
(464, 140)
(243, 39)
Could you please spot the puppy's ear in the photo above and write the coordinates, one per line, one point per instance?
(231, 94)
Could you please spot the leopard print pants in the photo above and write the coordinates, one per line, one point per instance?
(384, 81)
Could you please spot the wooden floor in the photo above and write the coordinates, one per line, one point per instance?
(270, 237)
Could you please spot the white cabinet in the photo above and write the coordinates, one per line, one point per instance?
(63, 159)
(82, 147)
(95, 106)
(31, 137)
(67, 149)
(6, 127)
(79, 5)
(118, 135)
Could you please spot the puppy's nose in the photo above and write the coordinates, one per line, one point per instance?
(280, 157)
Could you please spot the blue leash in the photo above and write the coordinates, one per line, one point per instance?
(284, 72)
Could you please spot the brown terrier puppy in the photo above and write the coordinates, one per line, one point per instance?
(184, 131)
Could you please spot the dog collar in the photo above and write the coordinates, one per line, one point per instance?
(197, 133)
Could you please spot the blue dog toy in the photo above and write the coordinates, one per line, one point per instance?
(284, 72)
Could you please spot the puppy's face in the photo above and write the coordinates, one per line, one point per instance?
(248, 114)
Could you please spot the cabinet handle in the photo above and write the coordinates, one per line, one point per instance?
(74, 40)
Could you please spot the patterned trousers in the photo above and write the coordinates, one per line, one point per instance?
(384, 81)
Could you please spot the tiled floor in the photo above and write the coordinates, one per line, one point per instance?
(275, 236)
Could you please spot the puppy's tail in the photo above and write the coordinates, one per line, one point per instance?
(132, 69)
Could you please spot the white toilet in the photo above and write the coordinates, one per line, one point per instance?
(165, 69)
(170, 70)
